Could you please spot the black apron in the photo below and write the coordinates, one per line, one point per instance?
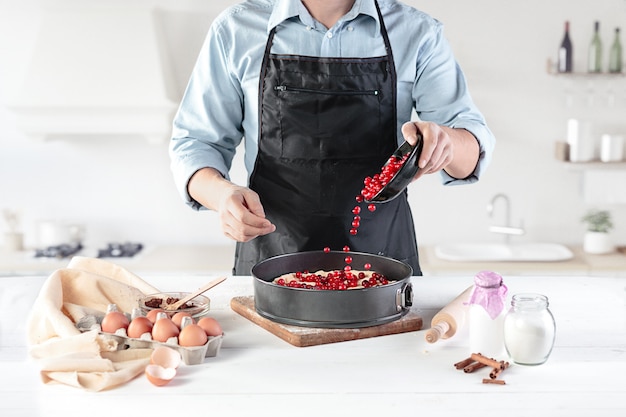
(324, 125)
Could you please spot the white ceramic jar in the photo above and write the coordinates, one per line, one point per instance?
(529, 329)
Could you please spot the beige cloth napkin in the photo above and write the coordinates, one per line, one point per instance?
(85, 360)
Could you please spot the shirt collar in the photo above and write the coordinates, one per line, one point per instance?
(286, 9)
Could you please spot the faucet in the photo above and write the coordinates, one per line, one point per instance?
(507, 230)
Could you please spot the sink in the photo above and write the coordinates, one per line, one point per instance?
(514, 252)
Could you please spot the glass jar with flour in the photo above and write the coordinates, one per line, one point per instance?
(529, 329)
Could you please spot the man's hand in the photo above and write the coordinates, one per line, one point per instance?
(242, 214)
(240, 209)
(454, 150)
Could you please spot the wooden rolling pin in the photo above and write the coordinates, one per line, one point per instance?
(450, 318)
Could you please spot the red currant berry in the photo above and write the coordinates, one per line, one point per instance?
(326, 249)
(348, 259)
(367, 266)
(371, 207)
(346, 248)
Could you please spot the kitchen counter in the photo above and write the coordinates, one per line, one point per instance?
(257, 373)
(218, 259)
(166, 259)
(581, 264)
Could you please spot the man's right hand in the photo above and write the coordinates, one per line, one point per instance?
(240, 209)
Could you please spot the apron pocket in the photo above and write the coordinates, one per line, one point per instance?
(327, 123)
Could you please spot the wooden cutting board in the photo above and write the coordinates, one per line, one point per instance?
(307, 336)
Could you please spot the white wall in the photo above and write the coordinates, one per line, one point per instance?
(121, 189)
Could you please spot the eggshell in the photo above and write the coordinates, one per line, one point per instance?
(163, 329)
(113, 321)
(138, 326)
(159, 375)
(165, 357)
(192, 335)
(211, 326)
(178, 317)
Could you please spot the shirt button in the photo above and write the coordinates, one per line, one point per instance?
(309, 28)
(329, 35)
(350, 28)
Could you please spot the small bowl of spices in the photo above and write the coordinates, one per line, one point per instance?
(197, 307)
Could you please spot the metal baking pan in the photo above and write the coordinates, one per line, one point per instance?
(352, 308)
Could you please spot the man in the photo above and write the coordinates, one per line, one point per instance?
(322, 92)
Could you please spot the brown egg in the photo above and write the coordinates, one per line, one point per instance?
(178, 318)
(113, 321)
(152, 314)
(164, 328)
(211, 326)
(192, 335)
(138, 326)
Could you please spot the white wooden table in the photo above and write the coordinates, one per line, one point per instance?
(258, 374)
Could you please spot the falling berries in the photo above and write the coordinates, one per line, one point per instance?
(371, 186)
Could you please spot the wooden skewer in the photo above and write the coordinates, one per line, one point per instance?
(177, 304)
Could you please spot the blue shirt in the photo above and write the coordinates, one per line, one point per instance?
(220, 105)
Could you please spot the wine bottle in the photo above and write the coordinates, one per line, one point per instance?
(595, 50)
(565, 63)
(615, 57)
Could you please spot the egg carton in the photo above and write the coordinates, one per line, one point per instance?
(192, 355)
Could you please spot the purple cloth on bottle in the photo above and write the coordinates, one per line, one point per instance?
(489, 292)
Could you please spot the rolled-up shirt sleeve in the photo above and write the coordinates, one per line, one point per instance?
(207, 126)
(441, 95)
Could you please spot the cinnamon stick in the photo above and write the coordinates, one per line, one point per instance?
(488, 361)
(462, 364)
(472, 367)
(495, 372)
(494, 381)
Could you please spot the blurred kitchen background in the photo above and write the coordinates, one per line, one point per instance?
(88, 89)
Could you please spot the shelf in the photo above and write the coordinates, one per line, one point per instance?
(551, 67)
(587, 75)
(595, 165)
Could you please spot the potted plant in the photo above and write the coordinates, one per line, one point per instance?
(597, 238)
